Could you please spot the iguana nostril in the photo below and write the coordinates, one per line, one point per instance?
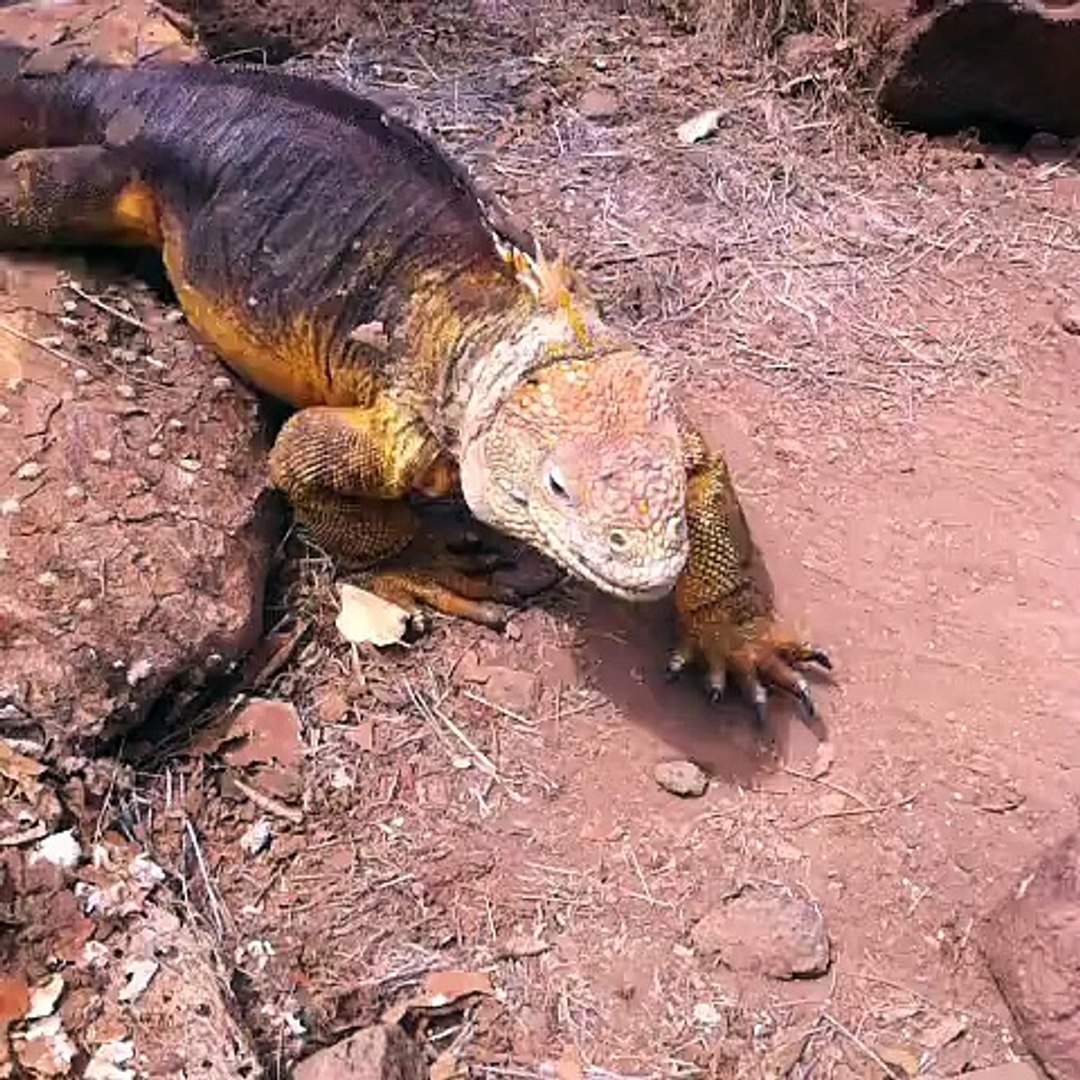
(617, 539)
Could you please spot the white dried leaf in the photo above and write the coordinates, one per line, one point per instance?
(139, 973)
(699, 127)
(367, 618)
(61, 849)
(43, 998)
(107, 1059)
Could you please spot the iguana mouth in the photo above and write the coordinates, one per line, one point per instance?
(638, 584)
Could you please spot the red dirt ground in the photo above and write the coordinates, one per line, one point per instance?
(874, 330)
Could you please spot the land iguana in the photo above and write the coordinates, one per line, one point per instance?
(340, 261)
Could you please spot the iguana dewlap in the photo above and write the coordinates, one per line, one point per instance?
(339, 261)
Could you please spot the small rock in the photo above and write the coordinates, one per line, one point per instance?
(81, 375)
(383, 1052)
(788, 449)
(707, 1014)
(1044, 146)
(257, 838)
(140, 670)
(1011, 1070)
(681, 778)
(1069, 318)
(512, 689)
(698, 127)
(598, 104)
(772, 932)
(31, 470)
(155, 450)
(518, 946)
(101, 456)
(1032, 947)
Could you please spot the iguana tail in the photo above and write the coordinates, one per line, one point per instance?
(32, 113)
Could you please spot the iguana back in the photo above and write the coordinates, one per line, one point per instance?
(292, 212)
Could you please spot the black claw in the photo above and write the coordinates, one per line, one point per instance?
(717, 686)
(760, 700)
(806, 699)
(819, 656)
(761, 715)
(675, 666)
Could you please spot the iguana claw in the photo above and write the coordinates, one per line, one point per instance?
(757, 666)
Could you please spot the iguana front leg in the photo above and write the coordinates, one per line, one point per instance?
(347, 473)
(724, 600)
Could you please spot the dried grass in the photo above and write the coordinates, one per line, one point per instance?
(758, 24)
(804, 245)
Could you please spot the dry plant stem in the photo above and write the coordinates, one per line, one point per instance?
(854, 1039)
(101, 305)
(270, 805)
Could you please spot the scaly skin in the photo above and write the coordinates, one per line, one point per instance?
(338, 261)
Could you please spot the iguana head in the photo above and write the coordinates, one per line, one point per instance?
(582, 459)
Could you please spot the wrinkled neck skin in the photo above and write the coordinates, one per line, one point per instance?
(546, 338)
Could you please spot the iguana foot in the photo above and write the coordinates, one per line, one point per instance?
(448, 591)
(756, 656)
(724, 599)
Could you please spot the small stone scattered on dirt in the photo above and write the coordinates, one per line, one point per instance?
(519, 946)
(270, 731)
(383, 1052)
(780, 935)
(514, 690)
(598, 104)
(1011, 1070)
(256, 839)
(698, 127)
(1069, 318)
(682, 778)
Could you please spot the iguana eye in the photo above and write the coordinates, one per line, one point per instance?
(557, 483)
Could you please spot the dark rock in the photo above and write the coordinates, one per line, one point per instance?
(384, 1052)
(766, 931)
(1006, 67)
(1032, 946)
